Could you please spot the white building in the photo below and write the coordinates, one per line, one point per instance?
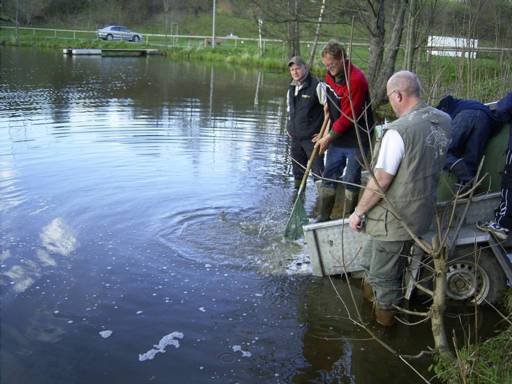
(451, 46)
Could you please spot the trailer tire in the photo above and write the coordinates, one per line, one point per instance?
(469, 280)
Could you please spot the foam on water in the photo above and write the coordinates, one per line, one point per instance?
(169, 339)
(105, 334)
(238, 348)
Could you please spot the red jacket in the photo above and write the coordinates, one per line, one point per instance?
(338, 93)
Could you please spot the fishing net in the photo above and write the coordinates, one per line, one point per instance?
(297, 219)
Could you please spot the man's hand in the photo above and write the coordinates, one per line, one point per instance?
(323, 143)
(355, 222)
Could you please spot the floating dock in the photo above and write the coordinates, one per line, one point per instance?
(110, 52)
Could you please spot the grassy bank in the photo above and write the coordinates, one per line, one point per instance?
(487, 78)
(489, 361)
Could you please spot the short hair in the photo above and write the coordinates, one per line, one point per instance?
(406, 82)
(335, 49)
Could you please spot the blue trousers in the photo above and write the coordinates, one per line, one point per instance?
(344, 164)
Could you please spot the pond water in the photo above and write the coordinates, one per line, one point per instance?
(143, 204)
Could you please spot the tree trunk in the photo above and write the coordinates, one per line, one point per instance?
(374, 22)
(410, 38)
(317, 35)
(438, 304)
(383, 73)
(166, 5)
(293, 29)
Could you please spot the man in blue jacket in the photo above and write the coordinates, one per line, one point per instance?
(472, 126)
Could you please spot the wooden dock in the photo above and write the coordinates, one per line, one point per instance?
(110, 52)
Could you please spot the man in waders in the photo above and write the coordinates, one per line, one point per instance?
(348, 100)
(305, 102)
(409, 160)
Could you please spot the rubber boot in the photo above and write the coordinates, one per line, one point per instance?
(351, 198)
(318, 185)
(339, 202)
(367, 290)
(326, 201)
(385, 317)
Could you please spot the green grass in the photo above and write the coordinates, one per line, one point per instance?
(248, 28)
(488, 362)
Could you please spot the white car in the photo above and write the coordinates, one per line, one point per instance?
(117, 32)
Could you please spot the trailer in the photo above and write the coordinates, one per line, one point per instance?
(479, 266)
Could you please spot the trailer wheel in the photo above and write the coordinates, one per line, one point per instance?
(469, 280)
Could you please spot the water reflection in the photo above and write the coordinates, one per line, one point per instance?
(57, 237)
(56, 240)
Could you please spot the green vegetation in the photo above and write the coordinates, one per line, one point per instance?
(482, 363)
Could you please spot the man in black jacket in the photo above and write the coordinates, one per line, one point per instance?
(305, 104)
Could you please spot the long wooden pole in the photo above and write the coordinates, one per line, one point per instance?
(312, 158)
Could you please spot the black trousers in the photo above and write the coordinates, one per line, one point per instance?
(301, 151)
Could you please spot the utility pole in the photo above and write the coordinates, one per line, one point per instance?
(260, 43)
(17, 31)
(213, 26)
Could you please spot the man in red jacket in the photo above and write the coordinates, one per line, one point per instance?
(348, 100)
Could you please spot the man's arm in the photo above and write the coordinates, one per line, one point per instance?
(288, 112)
(371, 196)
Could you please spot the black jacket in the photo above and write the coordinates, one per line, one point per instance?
(306, 112)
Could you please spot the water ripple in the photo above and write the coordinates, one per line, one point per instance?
(249, 239)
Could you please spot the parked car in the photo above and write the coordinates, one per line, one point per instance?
(117, 32)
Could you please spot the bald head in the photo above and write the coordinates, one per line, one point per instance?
(403, 89)
(406, 82)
